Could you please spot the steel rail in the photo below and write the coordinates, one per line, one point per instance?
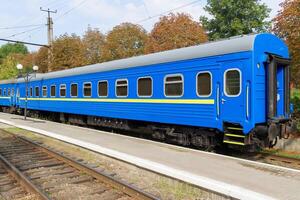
(23, 180)
(103, 177)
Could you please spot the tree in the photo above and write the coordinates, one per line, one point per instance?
(175, 31)
(235, 17)
(125, 40)
(68, 52)
(41, 59)
(93, 41)
(28, 61)
(8, 68)
(10, 48)
(287, 26)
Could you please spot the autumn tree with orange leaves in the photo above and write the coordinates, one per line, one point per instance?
(175, 31)
(287, 26)
(68, 52)
(125, 40)
(93, 41)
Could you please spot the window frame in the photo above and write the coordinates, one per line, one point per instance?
(43, 87)
(102, 81)
(124, 79)
(83, 88)
(35, 91)
(224, 81)
(173, 75)
(54, 90)
(71, 90)
(211, 83)
(60, 90)
(31, 92)
(137, 88)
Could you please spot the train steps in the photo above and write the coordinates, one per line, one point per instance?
(233, 134)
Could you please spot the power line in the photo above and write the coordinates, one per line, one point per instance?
(24, 26)
(22, 42)
(20, 33)
(73, 8)
(168, 11)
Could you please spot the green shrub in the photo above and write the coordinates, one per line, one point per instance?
(296, 101)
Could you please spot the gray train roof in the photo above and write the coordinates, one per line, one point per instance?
(221, 47)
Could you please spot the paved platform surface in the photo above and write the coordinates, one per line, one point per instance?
(233, 177)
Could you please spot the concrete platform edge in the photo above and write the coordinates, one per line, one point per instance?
(204, 182)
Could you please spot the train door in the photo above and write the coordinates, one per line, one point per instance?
(278, 76)
(17, 96)
(231, 98)
(13, 96)
(280, 91)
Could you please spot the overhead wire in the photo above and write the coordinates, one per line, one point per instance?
(18, 27)
(26, 31)
(70, 10)
(168, 11)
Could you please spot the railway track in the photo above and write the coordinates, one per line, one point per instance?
(14, 186)
(45, 174)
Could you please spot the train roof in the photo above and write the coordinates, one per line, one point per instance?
(226, 46)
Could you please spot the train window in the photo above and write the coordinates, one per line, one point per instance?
(8, 92)
(145, 87)
(232, 82)
(12, 92)
(62, 90)
(4, 92)
(53, 91)
(173, 86)
(44, 91)
(87, 89)
(37, 91)
(122, 88)
(31, 92)
(74, 90)
(204, 84)
(102, 88)
(0, 91)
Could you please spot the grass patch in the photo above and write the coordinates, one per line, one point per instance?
(180, 190)
(296, 93)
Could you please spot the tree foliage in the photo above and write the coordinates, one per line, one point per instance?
(9, 48)
(175, 31)
(41, 59)
(93, 41)
(125, 40)
(68, 52)
(235, 17)
(8, 68)
(287, 26)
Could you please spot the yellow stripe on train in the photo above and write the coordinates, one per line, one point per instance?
(170, 101)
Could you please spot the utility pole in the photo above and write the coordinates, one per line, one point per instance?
(50, 35)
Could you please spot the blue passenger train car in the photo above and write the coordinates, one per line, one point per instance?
(234, 91)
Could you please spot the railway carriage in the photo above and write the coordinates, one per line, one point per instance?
(234, 91)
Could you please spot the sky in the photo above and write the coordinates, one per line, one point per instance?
(23, 20)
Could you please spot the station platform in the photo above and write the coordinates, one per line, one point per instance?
(233, 177)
